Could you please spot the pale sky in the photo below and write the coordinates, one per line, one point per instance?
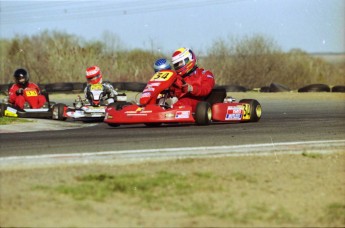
(310, 25)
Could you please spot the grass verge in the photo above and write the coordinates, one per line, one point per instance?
(299, 190)
(11, 120)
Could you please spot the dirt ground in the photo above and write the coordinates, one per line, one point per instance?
(303, 190)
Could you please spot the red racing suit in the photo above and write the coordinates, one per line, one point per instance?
(19, 100)
(202, 82)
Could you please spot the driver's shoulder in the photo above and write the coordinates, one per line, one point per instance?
(32, 85)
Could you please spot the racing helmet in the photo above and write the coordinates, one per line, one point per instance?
(93, 75)
(21, 76)
(184, 61)
(161, 64)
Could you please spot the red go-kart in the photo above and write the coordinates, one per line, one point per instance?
(153, 110)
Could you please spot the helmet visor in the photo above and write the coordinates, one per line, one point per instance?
(21, 78)
(181, 64)
(94, 78)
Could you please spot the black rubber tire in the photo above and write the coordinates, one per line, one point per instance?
(265, 89)
(57, 112)
(315, 88)
(276, 87)
(118, 105)
(134, 86)
(5, 87)
(118, 85)
(232, 88)
(79, 86)
(255, 109)
(217, 95)
(338, 89)
(59, 87)
(203, 113)
(2, 109)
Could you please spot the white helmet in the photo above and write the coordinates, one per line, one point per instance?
(184, 61)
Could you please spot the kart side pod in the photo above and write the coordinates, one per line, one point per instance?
(247, 110)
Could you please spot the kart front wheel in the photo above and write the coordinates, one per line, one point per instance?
(255, 109)
(203, 113)
(58, 112)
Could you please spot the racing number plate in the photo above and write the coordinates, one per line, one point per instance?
(246, 111)
(161, 76)
(96, 87)
(31, 93)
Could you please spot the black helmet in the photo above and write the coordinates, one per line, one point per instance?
(19, 73)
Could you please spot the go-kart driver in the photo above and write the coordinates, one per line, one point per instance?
(193, 83)
(16, 97)
(94, 76)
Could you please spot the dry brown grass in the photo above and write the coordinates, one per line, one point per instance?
(254, 61)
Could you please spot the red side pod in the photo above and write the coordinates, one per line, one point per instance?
(227, 112)
(149, 114)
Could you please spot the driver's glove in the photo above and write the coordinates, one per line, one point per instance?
(187, 88)
(19, 91)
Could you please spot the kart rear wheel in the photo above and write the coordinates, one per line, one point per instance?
(58, 112)
(255, 109)
(203, 113)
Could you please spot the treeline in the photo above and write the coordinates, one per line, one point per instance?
(250, 61)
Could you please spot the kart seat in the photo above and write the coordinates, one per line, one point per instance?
(217, 95)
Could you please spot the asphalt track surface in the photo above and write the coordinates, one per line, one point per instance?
(283, 123)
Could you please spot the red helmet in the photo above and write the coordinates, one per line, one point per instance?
(93, 75)
(183, 61)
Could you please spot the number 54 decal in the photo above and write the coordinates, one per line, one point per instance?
(161, 76)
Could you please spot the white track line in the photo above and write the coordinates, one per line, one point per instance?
(323, 146)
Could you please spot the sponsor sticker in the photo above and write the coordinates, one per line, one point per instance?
(155, 84)
(233, 113)
(97, 87)
(149, 88)
(233, 117)
(146, 94)
(182, 114)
